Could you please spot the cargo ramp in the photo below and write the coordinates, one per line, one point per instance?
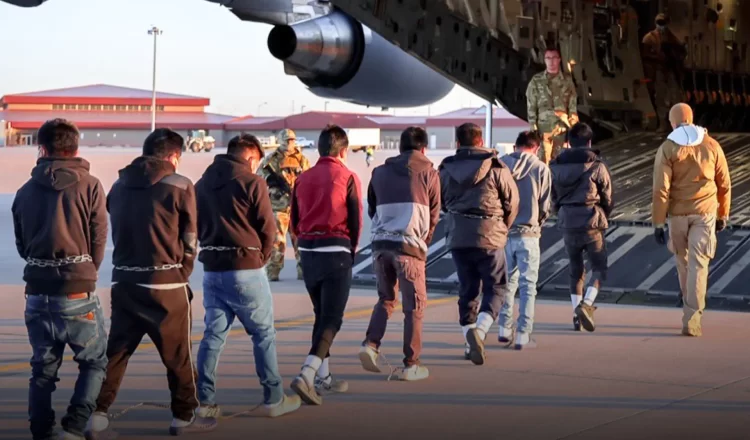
(640, 270)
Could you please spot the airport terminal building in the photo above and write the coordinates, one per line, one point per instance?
(119, 116)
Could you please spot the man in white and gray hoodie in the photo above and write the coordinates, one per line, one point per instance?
(522, 252)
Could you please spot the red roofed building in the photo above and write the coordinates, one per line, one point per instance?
(106, 115)
(505, 126)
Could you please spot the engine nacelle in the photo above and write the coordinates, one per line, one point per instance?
(25, 3)
(336, 57)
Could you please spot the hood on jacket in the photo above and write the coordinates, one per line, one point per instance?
(145, 171)
(568, 168)
(520, 163)
(224, 169)
(59, 172)
(408, 163)
(687, 135)
(470, 165)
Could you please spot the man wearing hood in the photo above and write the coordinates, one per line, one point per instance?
(60, 223)
(403, 201)
(582, 198)
(236, 230)
(522, 252)
(480, 198)
(154, 227)
(280, 170)
(691, 186)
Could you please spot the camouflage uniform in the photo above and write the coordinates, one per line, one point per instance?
(280, 170)
(663, 54)
(552, 109)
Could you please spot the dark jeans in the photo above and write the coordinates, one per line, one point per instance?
(328, 278)
(479, 271)
(595, 245)
(394, 270)
(165, 316)
(52, 323)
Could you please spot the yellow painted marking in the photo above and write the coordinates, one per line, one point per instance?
(352, 314)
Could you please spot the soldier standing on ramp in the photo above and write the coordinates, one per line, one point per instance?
(663, 58)
(552, 107)
(281, 169)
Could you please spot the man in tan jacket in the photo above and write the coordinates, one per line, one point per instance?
(691, 184)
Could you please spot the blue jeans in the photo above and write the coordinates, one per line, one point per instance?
(522, 255)
(52, 323)
(246, 295)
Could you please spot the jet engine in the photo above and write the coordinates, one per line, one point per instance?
(336, 57)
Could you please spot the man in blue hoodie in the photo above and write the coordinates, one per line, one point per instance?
(522, 253)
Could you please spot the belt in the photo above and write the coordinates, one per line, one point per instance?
(71, 296)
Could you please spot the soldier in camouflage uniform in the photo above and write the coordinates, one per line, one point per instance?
(280, 170)
(551, 101)
(663, 59)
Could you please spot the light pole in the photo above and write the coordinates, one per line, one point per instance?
(302, 110)
(259, 106)
(155, 31)
(325, 106)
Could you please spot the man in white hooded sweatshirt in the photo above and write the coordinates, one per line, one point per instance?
(692, 186)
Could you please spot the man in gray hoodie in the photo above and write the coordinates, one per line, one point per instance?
(403, 201)
(522, 249)
(480, 198)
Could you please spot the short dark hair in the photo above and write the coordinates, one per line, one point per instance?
(59, 137)
(413, 138)
(552, 49)
(162, 143)
(528, 139)
(469, 135)
(239, 144)
(580, 135)
(332, 141)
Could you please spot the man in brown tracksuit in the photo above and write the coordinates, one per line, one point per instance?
(154, 230)
(692, 185)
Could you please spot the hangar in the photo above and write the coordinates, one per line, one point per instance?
(106, 115)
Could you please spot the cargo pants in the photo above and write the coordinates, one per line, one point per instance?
(276, 262)
(692, 239)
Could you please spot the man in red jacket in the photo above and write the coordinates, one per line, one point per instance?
(327, 220)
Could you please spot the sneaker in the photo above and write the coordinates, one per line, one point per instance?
(413, 373)
(467, 353)
(576, 324)
(68, 436)
(505, 335)
(198, 424)
(288, 404)
(585, 314)
(98, 428)
(368, 356)
(523, 340)
(209, 411)
(330, 385)
(694, 332)
(476, 347)
(306, 391)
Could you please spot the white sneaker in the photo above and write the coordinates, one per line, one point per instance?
(505, 335)
(368, 356)
(415, 372)
(523, 340)
(288, 404)
(98, 427)
(209, 411)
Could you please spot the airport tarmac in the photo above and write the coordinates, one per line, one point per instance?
(635, 377)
